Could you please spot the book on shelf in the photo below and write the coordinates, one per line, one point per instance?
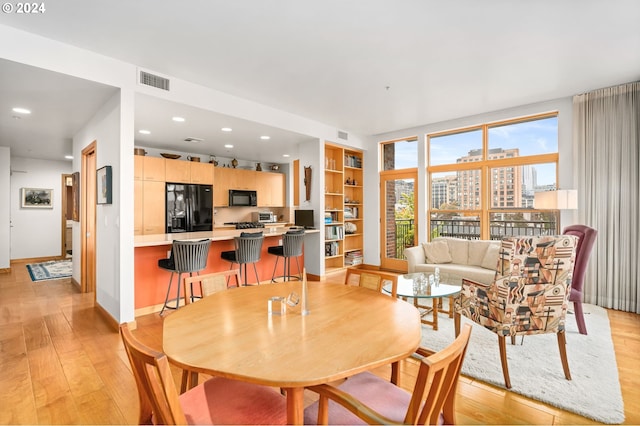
(353, 258)
(352, 161)
(331, 248)
(334, 232)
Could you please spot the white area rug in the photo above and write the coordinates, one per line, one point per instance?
(54, 270)
(535, 367)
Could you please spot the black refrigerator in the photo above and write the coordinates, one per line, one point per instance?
(189, 207)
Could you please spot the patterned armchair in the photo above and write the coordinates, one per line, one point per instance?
(529, 294)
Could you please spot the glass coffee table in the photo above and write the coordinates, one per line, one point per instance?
(406, 289)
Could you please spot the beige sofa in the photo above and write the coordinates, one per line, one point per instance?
(457, 258)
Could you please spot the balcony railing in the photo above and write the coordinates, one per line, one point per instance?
(404, 233)
(468, 229)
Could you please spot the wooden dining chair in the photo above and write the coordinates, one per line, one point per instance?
(208, 284)
(372, 279)
(368, 399)
(216, 401)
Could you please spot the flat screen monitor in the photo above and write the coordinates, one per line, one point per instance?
(304, 218)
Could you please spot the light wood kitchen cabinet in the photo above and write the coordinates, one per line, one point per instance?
(153, 169)
(270, 187)
(223, 178)
(153, 210)
(138, 167)
(245, 179)
(178, 171)
(202, 173)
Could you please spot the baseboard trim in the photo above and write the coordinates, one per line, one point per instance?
(111, 321)
(37, 259)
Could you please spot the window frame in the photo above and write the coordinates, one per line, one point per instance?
(484, 165)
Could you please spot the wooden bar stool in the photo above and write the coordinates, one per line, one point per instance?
(248, 249)
(292, 243)
(186, 257)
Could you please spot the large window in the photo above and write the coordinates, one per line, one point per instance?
(482, 180)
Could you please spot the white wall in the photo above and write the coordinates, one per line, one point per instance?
(372, 182)
(104, 128)
(36, 232)
(312, 154)
(5, 208)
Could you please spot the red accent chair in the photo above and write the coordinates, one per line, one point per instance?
(587, 238)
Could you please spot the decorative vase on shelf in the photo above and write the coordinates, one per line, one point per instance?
(258, 167)
(234, 163)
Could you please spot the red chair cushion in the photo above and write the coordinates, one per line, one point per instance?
(224, 401)
(374, 392)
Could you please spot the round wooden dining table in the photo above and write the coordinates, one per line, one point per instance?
(348, 330)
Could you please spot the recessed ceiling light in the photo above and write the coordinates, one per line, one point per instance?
(69, 157)
(265, 138)
(21, 110)
(228, 145)
(144, 132)
(286, 155)
(178, 119)
(226, 129)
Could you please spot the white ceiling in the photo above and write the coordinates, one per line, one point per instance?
(366, 67)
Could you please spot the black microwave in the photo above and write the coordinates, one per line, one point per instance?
(240, 198)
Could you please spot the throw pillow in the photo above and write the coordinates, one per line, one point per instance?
(490, 260)
(437, 252)
(459, 249)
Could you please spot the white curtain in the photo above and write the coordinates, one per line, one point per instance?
(606, 140)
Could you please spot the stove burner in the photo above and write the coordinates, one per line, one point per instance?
(246, 225)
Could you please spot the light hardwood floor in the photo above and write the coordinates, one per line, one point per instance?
(62, 364)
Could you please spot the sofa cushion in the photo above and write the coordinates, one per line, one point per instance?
(459, 250)
(437, 252)
(490, 260)
(451, 273)
(477, 250)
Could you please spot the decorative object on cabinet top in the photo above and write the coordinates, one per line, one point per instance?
(139, 151)
(170, 156)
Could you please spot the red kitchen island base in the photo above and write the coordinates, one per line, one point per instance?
(151, 282)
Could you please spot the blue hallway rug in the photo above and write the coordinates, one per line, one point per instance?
(54, 270)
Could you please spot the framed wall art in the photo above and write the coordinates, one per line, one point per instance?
(36, 198)
(76, 197)
(103, 181)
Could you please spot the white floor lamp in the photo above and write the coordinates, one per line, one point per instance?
(561, 199)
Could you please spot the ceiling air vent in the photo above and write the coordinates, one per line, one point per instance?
(153, 80)
(343, 135)
(193, 140)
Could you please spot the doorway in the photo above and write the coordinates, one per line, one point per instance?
(66, 249)
(398, 228)
(88, 220)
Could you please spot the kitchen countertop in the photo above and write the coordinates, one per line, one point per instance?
(216, 235)
(266, 225)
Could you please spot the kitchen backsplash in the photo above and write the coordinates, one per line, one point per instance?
(245, 214)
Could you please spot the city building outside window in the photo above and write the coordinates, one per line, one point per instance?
(482, 179)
